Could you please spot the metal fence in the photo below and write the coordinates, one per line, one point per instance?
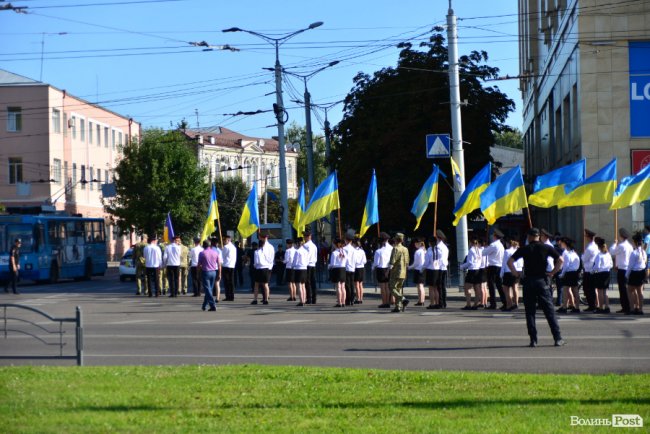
(15, 321)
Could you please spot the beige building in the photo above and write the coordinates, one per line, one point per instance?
(226, 153)
(57, 151)
(585, 82)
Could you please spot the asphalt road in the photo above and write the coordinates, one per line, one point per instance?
(123, 329)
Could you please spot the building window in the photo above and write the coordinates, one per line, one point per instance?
(74, 174)
(15, 170)
(56, 170)
(119, 139)
(113, 139)
(14, 119)
(106, 137)
(73, 126)
(56, 121)
(83, 177)
(82, 130)
(92, 177)
(90, 132)
(99, 135)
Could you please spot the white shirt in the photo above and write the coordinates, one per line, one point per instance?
(382, 256)
(428, 259)
(264, 257)
(621, 252)
(571, 262)
(494, 253)
(638, 261)
(474, 260)
(359, 258)
(483, 258)
(418, 259)
(603, 263)
(440, 256)
(172, 255)
(313, 252)
(589, 256)
(152, 256)
(349, 253)
(229, 253)
(288, 257)
(301, 258)
(550, 262)
(519, 263)
(194, 255)
(338, 259)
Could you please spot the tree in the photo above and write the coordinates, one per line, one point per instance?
(160, 174)
(298, 134)
(510, 138)
(386, 117)
(231, 195)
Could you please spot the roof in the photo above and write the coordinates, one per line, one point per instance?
(224, 137)
(9, 78)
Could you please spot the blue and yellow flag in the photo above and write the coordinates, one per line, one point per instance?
(168, 231)
(632, 189)
(250, 216)
(300, 209)
(455, 170)
(548, 189)
(213, 214)
(597, 189)
(471, 197)
(324, 200)
(504, 196)
(371, 210)
(428, 194)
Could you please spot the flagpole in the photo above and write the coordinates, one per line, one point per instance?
(378, 230)
(530, 221)
(435, 213)
(340, 232)
(615, 224)
(220, 237)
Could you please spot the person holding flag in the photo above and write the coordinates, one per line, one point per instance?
(213, 215)
(300, 210)
(428, 194)
(371, 209)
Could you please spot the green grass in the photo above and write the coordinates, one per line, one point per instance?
(252, 398)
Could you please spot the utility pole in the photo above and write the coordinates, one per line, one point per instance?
(310, 151)
(328, 153)
(456, 128)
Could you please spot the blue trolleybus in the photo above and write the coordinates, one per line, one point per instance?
(54, 247)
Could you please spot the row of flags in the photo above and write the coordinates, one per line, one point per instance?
(563, 187)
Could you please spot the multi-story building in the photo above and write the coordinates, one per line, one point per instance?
(227, 153)
(585, 82)
(57, 150)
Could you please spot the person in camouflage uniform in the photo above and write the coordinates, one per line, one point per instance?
(184, 268)
(399, 262)
(162, 275)
(138, 262)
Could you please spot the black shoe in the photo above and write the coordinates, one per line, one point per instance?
(491, 307)
(265, 302)
(622, 311)
(17, 292)
(606, 310)
(203, 308)
(357, 302)
(431, 306)
(405, 303)
(464, 308)
(515, 307)
(533, 343)
(561, 310)
(338, 305)
(384, 306)
(212, 309)
(575, 310)
(475, 307)
(290, 299)
(504, 308)
(589, 309)
(418, 304)
(254, 302)
(560, 342)
(396, 310)
(300, 304)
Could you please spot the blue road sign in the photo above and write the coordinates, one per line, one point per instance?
(438, 146)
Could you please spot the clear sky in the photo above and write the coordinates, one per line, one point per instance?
(135, 57)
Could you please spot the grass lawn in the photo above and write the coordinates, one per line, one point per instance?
(252, 398)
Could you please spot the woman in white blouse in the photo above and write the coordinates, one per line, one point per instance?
(636, 274)
(473, 279)
(337, 264)
(569, 276)
(359, 269)
(510, 281)
(601, 272)
(418, 270)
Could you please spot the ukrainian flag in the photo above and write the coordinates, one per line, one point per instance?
(428, 194)
(455, 170)
(371, 210)
(597, 189)
(213, 214)
(504, 196)
(548, 189)
(471, 197)
(632, 189)
(324, 200)
(168, 231)
(300, 209)
(250, 216)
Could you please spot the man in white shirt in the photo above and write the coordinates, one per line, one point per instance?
(172, 260)
(440, 264)
(349, 270)
(194, 262)
(381, 265)
(152, 263)
(229, 254)
(310, 284)
(494, 254)
(621, 253)
(266, 263)
(588, 258)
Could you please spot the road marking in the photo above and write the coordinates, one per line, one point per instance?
(455, 321)
(431, 314)
(133, 321)
(370, 321)
(216, 321)
(347, 337)
(292, 321)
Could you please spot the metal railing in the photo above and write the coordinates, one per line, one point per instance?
(78, 332)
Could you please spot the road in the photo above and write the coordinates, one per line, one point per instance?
(123, 329)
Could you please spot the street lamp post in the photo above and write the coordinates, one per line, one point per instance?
(279, 114)
(309, 138)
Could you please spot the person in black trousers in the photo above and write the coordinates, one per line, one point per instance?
(536, 284)
(239, 266)
(14, 266)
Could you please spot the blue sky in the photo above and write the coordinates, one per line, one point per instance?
(134, 57)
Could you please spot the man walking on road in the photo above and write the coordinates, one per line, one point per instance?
(153, 262)
(310, 283)
(399, 262)
(537, 288)
(229, 254)
(14, 266)
(172, 261)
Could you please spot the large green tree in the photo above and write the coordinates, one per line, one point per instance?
(298, 134)
(386, 117)
(160, 174)
(231, 195)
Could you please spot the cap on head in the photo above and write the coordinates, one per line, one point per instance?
(624, 233)
(399, 236)
(18, 241)
(590, 233)
(533, 232)
(349, 237)
(288, 241)
(384, 236)
(497, 233)
(441, 235)
(197, 240)
(264, 235)
(546, 233)
(306, 233)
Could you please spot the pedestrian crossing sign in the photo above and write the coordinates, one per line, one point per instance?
(437, 145)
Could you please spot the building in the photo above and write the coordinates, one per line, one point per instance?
(57, 151)
(226, 153)
(585, 82)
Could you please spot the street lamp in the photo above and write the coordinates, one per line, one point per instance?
(279, 114)
(310, 148)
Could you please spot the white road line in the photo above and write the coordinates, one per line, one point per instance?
(431, 314)
(370, 321)
(134, 321)
(216, 321)
(292, 321)
(347, 337)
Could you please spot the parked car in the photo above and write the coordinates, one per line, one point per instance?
(127, 267)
